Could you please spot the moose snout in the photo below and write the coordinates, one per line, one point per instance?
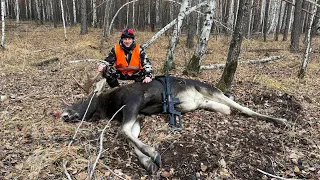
(66, 116)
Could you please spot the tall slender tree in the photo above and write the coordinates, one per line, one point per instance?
(3, 12)
(84, 25)
(296, 27)
(193, 66)
(288, 20)
(227, 77)
(304, 63)
(175, 34)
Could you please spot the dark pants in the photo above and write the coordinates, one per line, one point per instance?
(112, 77)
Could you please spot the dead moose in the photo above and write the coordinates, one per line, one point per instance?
(146, 99)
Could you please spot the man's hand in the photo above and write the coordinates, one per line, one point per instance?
(147, 80)
(101, 67)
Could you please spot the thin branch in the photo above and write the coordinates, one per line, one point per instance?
(84, 60)
(220, 66)
(65, 169)
(274, 176)
(112, 171)
(101, 142)
(114, 17)
(75, 134)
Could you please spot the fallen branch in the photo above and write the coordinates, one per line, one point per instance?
(101, 144)
(84, 60)
(271, 175)
(65, 169)
(75, 134)
(46, 62)
(220, 66)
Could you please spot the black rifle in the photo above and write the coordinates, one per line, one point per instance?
(169, 101)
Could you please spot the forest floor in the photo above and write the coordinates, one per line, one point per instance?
(34, 142)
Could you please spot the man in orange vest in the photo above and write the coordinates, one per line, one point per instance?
(127, 60)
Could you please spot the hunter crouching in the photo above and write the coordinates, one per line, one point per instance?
(126, 61)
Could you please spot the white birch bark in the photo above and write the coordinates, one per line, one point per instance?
(17, 11)
(94, 13)
(63, 21)
(74, 11)
(26, 7)
(43, 11)
(168, 26)
(250, 19)
(109, 31)
(205, 33)
(37, 9)
(304, 63)
(274, 9)
(231, 15)
(176, 32)
(3, 12)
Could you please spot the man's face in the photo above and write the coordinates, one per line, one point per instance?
(127, 41)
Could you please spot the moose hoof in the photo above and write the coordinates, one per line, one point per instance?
(157, 160)
(152, 168)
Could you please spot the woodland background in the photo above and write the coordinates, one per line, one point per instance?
(34, 141)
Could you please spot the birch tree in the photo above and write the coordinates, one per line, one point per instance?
(288, 20)
(168, 26)
(17, 11)
(74, 11)
(227, 77)
(94, 13)
(63, 21)
(176, 33)
(304, 63)
(193, 66)
(3, 12)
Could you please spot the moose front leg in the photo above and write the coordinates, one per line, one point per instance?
(147, 155)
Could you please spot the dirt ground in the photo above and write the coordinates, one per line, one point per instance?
(34, 141)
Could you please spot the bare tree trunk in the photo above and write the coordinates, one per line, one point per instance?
(63, 21)
(124, 5)
(175, 34)
(193, 67)
(94, 13)
(305, 59)
(74, 11)
(38, 11)
(296, 27)
(17, 11)
(315, 24)
(234, 50)
(288, 20)
(265, 24)
(168, 26)
(276, 37)
(84, 25)
(3, 12)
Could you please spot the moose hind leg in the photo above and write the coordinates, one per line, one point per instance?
(145, 160)
(215, 106)
(148, 151)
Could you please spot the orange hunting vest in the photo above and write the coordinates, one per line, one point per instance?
(122, 64)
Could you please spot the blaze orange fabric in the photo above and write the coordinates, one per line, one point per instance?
(122, 64)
